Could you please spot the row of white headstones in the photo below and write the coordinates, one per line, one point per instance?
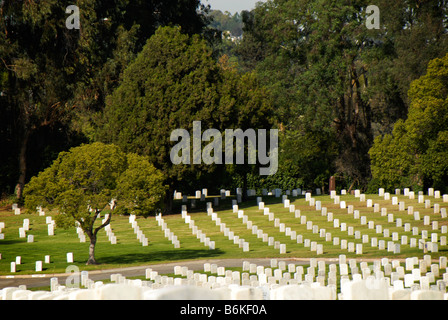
(431, 246)
(26, 225)
(345, 244)
(314, 246)
(30, 239)
(381, 279)
(39, 263)
(400, 282)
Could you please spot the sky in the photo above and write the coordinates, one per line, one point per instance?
(231, 5)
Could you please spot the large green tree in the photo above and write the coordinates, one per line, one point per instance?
(92, 180)
(415, 154)
(329, 73)
(173, 82)
(51, 74)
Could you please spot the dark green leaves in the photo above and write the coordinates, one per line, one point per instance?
(83, 181)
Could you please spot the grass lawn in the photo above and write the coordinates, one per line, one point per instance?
(129, 252)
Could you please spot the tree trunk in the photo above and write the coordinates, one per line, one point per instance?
(169, 200)
(244, 196)
(22, 165)
(93, 234)
(92, 260)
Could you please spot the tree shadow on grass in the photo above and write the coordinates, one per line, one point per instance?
(6, 242)
(186, 254)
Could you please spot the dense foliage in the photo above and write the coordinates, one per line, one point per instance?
(93, 179)
(416, 153)
(336, 83)
(54, 79)
(173, 82)
(364, 105)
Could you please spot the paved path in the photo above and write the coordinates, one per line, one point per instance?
(97, 275)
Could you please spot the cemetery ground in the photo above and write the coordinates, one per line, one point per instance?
(317, 227)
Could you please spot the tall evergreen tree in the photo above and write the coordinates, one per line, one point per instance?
(329, 73)
(173, 82)
(50, 73)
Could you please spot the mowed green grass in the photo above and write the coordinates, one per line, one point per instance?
(129, 252)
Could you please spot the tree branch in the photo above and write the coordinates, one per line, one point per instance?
(8, 66)
(89, 228)
(104, 224)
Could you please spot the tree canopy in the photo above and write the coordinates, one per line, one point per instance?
(173, 82)
(415, 154)
(331, 75)
(54, 78)
(137, 70)
(93, 179)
